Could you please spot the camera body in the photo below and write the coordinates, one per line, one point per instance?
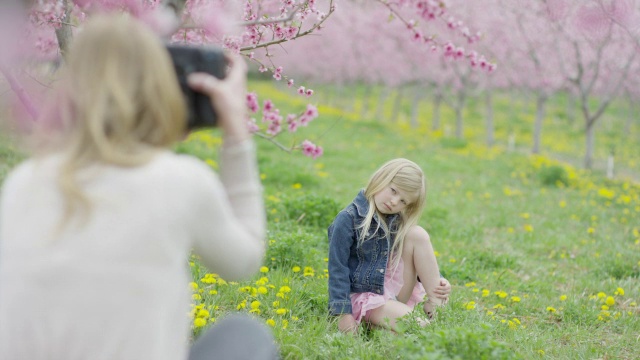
(189, 59)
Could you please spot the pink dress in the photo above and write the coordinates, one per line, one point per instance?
(363, 303)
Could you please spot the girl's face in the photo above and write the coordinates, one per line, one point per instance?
(392, 200)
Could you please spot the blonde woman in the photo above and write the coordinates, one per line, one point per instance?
(377, 252)
(96, 228)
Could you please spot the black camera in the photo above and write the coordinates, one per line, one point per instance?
(188, 59)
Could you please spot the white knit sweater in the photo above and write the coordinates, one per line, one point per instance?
(117, 287)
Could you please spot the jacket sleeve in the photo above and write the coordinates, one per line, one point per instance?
(341, 238)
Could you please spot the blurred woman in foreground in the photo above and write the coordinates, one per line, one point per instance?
(96, 228)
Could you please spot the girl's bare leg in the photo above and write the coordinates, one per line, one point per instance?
(387, 315)
(419, 260)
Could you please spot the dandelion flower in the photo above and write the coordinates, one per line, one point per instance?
(262, 290)
(296, 269)
(281, 311)
(264, 269)
(551, 309)
(601, 295)
(515, 298)
(271, 322)
(563, 297)
(199, 322)
(619, 291)
(610, 301)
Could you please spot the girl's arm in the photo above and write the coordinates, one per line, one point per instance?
(341, 237)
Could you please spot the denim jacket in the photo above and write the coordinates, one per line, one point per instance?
(353, 268)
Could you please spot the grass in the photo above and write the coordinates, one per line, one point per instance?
(544, 258)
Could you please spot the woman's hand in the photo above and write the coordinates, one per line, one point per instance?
(443, 290)
(347, 323)
(228, 97)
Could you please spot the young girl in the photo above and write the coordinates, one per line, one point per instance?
(377, 252)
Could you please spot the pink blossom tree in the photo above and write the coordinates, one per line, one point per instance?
(597, 50)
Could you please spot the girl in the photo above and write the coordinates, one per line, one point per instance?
(377, 252)
(96, 229)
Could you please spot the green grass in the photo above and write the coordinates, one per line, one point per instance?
(533, 247)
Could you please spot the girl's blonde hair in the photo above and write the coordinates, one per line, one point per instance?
(408, 177)
(118, 102)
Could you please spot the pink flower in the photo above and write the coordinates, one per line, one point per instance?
(309, 92)
(279, 70)
(277, 76)
(301, 90)
(252, 102)
(317, 152)
(311, 111)
(252, 126)
(262, 68)
(290, 83)
(268, 106)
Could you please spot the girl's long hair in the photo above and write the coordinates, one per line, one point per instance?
(118, 103)
(408, 177)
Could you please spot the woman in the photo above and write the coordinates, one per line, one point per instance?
(96, 228)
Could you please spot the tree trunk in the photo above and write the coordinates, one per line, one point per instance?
(437, 101)
(397, 104)
(571, 107)
(415, 106)
(489, 118)
(64, 33)
(459, 110)
(590, 142)
(537, 128)
(384, 94)
(610, 164)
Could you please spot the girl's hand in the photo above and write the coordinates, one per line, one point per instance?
(228, 97)
(347, 323)
(443, 290)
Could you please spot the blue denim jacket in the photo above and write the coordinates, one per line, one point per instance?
(353, 268)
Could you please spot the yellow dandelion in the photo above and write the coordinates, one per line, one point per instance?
(563, 297)
(276, 304)
(199, 322)
(562, 204)
(515, 298)
(296, 269)
(604, 307)
(619, 291)
(297, 186)
(281, 311)
(263, 176)
(528, 227)
(610, 301)
(551, 309)
(203, 313)
(498, 306)
(271, 322)
(284, 289)
(524, 215)
(601, 295)
(470, 284)
(485, 292)
(255, 304)
(264, 269)
(193, 286)
(501, 294)
(470, 305)
(196, 297)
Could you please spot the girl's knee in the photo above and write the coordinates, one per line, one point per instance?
(417, 235)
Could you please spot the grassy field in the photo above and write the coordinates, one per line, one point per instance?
(544, 258)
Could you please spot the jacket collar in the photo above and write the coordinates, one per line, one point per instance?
(362, 205)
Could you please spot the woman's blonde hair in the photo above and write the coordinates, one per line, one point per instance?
(408, 177)
(118, 102)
